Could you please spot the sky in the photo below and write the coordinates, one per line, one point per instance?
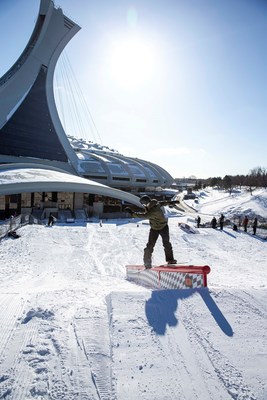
(73, 327)
(179, 83)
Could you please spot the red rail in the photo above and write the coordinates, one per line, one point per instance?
(190, 269)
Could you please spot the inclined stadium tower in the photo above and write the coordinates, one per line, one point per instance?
(30, 128)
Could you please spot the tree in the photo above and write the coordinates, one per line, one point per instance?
(198, 185)
(257, 178)
(215, 182)
(227, 183)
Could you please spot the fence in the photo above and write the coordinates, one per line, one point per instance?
(9, 225)
(13, 223)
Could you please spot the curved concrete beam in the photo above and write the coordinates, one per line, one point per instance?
(22, 180)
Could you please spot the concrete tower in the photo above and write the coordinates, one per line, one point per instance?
(30, 128)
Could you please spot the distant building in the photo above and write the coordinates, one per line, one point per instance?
(184, 183)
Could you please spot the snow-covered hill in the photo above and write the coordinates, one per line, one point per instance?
(72, 327)
(238, 203)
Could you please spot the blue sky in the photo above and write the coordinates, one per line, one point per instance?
(180, 83)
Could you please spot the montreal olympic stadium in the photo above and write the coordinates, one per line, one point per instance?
(44, 170)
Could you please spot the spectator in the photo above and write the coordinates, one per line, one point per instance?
(51, 220)
(214, 223)
(221, 221)
(255, 225)
(245, 223)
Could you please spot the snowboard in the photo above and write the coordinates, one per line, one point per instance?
(176, 265)
(143, 268)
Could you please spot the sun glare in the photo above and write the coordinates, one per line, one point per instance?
(132, 62)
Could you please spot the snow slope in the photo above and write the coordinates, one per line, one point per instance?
(72, 327)
(240, 202)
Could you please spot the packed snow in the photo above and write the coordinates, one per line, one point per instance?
(73, 327)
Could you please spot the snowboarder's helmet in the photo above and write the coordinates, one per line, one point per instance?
(145, 199)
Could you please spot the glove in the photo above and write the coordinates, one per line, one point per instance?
(129, 210)
(172, 203)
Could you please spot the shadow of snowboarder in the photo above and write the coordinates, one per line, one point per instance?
(161, 309)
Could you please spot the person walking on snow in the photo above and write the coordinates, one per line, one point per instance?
(158, 227)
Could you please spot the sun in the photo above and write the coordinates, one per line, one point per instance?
(132, 61)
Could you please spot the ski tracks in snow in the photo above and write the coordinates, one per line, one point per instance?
(91, 330)
(101, 261)
(167, 332)
(118, 349)
(223, 379)
(137, 356)
(41, 355)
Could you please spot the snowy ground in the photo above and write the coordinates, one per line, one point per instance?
(72, 327)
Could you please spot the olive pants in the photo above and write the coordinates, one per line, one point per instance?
(152, 238)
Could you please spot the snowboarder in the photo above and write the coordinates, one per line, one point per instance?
(158, 227)
(245, 223)
(255, 225)
(221, 221)
(198, 220)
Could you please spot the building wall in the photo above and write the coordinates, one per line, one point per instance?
(30, 131)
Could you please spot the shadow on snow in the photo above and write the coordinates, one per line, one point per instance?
(161, 309)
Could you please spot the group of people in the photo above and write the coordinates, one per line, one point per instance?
(254, 224)
(221, 222)
(245, 223)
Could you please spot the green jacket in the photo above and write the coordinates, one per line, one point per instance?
(154, 213)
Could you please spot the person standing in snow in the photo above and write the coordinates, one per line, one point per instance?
(255, 225)
(245, 223)
(214, 223)
(51, 220)
(198, 221)
(221, 221)
(158, 227)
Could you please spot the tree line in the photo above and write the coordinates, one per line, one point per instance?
(256, 178)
